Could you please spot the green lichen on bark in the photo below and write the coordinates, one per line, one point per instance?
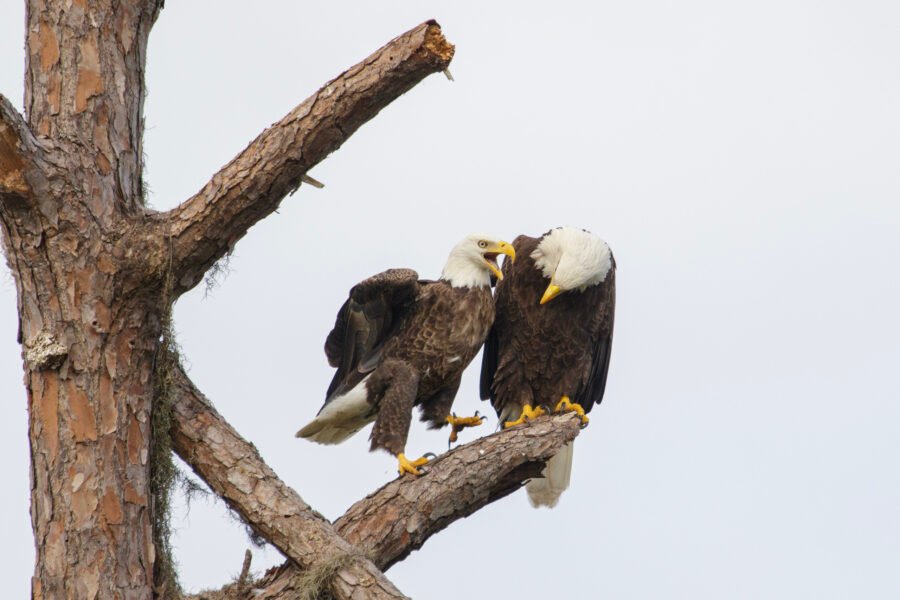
(313, 583)
(163, 472)
(164, 475)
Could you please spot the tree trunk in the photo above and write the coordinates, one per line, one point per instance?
(90, 329)
(96, 275)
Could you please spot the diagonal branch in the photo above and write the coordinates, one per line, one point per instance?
(401, 516)
(386, 525)
(19, 155)
(206, 226)
(232, 467)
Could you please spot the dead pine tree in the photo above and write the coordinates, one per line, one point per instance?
(96, 275)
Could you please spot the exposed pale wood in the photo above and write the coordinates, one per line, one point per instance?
(234, 470)
(206, 226)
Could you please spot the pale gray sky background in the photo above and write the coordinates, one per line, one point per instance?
(742, 160)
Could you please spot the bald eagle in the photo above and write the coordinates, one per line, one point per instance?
(400, 342)
(554, 354)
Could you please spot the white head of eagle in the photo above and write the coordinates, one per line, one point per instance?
(473, 260)
(573, 259)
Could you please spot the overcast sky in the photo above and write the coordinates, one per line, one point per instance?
(742, 160)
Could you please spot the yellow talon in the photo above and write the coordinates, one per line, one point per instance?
(566, 405)
(459, 423)
(408, 466)
(528, 413)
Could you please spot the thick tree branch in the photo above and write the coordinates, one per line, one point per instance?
(18, 154)
(403, 514)
(205, 227)
(233, 468)
(386, 525)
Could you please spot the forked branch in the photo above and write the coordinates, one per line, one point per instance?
(401, 516)
(234, 470)
(386, 525)
(206, 226)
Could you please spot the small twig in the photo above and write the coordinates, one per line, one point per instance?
(245, 570)
(312, 181)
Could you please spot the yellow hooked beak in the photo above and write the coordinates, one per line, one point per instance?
(552, 292)
(491, 253)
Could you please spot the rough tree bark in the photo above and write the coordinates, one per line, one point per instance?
(385, 526)
(96, 274)
(89, 335)
(234, 470)
(92, 266)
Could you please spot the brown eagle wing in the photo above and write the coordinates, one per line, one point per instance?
(367, 319)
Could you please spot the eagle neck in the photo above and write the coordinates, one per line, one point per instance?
(461, 271)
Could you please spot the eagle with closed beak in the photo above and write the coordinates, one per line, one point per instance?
(400, 342)
(551, 339)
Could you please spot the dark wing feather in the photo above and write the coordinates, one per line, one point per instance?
(365, 322)
(596, 384)
(334, 343)
(489, 364)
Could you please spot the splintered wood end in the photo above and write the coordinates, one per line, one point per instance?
(437, 44)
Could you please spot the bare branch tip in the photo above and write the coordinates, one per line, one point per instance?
(312, 181)
(245, 568)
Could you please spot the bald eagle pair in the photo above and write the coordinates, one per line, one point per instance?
(401, 342)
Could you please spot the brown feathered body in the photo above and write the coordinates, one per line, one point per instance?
(399, 342)
(535, 354)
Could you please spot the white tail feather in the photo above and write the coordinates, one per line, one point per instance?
(546, 490)
(341, 417)
(324, 433)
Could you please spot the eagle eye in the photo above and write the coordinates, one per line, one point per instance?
(482, 244)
